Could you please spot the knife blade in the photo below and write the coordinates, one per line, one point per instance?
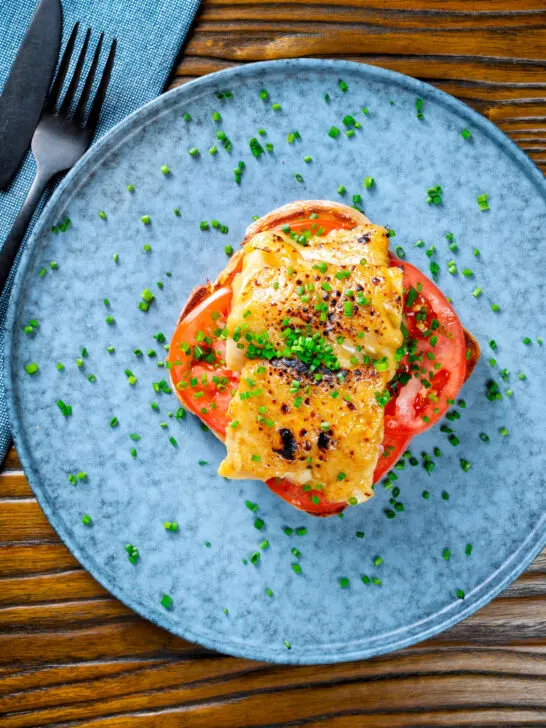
(26, 87)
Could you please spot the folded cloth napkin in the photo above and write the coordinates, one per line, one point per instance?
(150, 34)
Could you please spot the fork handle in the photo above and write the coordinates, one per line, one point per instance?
(11, 246)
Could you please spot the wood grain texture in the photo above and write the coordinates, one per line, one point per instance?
(71, 655)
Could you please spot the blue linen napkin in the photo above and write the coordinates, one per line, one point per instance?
(150, 34)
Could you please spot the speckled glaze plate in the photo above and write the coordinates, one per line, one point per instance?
(218, 600)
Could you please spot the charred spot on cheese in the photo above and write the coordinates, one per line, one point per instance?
(324, 440)
(289, 444)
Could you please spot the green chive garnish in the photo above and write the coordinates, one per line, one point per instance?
(166, 601)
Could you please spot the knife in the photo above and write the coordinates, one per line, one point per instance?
(26, 87)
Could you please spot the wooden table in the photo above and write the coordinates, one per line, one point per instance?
(71, 655)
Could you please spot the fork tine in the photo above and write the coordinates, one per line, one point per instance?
(73, 85)
(55, 92)
(82, 103)
(96, 107)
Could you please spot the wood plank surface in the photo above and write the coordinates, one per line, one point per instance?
(71, 655)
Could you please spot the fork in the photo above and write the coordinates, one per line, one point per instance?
(61, 137)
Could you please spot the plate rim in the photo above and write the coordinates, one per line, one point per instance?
(441, 620)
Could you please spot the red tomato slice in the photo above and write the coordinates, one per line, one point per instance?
(301, 499)
(395, 443)
(323, 222)
(197, 356)
(434, 370)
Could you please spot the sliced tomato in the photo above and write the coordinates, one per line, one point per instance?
(197, 359)
(433, 370)
(303, 499)
(395, 443)
(322, 222)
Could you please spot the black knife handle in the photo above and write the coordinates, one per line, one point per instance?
(11, 246)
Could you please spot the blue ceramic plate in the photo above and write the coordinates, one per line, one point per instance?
(219, 599)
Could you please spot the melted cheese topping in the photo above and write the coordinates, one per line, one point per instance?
(329, 443)
(325, 434)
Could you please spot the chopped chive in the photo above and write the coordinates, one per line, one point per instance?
(466, 134)
(146, 219)
(166, 601)
(483, 202)
(165, 169)
(102, 215)
(369, 182)
(87, 520)
(31, 368)
(66, 409)
(465, 465)
(344, 582)
(193, 151)
(460, 594)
